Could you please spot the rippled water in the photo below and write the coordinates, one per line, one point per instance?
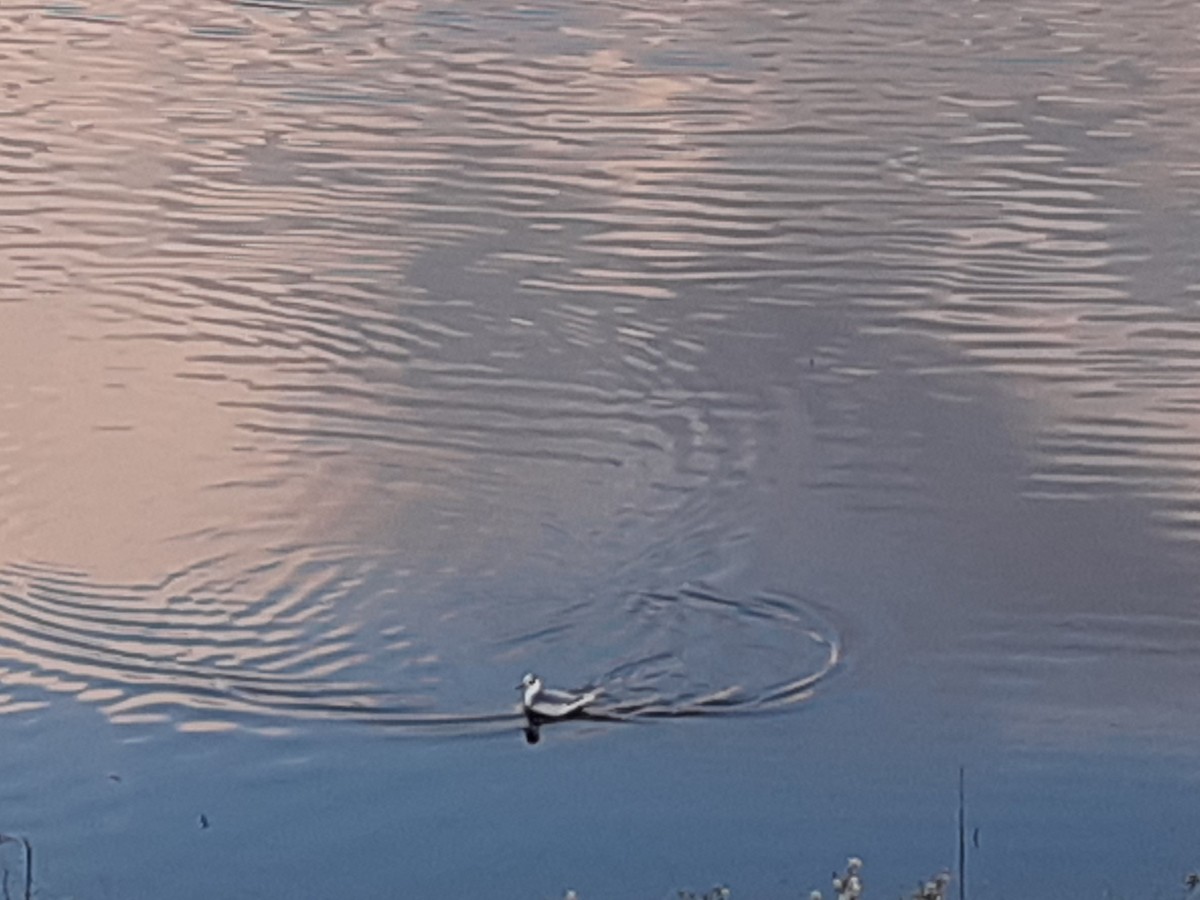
(836, 366)
(149, 656)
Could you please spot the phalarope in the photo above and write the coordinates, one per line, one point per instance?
(541, 702)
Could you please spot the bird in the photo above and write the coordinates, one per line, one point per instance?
(540, 702)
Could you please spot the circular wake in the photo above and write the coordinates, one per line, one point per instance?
(196, 658)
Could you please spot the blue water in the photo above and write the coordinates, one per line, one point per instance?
(818, 380)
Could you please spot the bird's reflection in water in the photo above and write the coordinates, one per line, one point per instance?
(535, 722)
(532, 732)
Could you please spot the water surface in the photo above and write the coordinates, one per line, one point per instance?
(820, 380)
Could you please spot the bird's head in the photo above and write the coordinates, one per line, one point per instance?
(532, 686)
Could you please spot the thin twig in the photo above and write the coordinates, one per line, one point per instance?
(962, 833)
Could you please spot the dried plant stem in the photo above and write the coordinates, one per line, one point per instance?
(962, 833)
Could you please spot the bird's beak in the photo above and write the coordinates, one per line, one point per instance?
(519, 686)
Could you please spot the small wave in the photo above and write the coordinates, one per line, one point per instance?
(150, 652)
(722, 656)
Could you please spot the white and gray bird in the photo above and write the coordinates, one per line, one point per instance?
(540, 701)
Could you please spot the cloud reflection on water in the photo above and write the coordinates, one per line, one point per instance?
(517, 301)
